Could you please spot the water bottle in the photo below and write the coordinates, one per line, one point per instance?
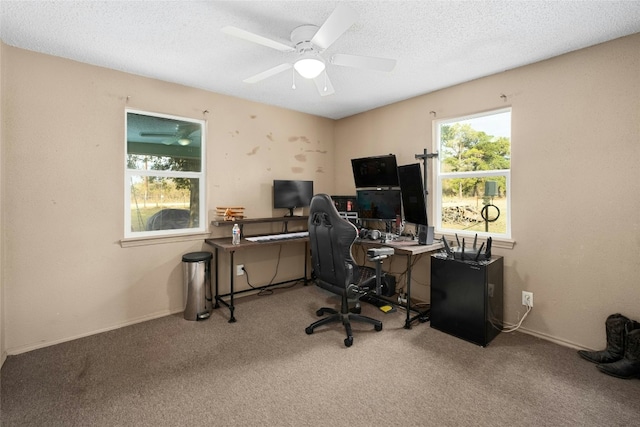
(235, 234)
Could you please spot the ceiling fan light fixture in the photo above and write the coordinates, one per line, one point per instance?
(309, 66)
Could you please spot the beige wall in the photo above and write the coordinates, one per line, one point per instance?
(66, 274)
(576, 141)
(575, 180)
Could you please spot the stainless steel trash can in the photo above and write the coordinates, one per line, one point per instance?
(196, 268)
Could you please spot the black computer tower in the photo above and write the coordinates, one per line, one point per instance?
(467, 298)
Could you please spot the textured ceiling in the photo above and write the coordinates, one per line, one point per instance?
(437, 44)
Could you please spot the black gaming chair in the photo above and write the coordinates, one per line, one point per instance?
(335, 270)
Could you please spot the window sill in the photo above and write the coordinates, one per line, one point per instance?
(496, 242)
(156, 240)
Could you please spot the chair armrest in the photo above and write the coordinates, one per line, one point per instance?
(378, 254)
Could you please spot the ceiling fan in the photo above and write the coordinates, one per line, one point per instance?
(183, 135)
(309, 41)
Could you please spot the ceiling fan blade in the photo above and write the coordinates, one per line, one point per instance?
(324, 85)
(340, 20)
(268, 73)
(366, 62)
(246, 35)
(158, 134)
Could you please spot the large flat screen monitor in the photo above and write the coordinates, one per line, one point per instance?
(412, 189)
(291, 194)
(379, 171)
(379, 204)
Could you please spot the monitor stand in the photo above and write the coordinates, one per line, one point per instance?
(289, 215)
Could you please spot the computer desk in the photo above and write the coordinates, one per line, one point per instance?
(408, 248)
(224, 244)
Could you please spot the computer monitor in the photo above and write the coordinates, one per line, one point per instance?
(379, 171)
(291, 194)
(412, 189)
(379, 204)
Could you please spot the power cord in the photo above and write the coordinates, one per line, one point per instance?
(515, 328)
(264, 292)
(261, 292)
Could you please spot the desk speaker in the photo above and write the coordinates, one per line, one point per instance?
(425, 235)
(388, 285)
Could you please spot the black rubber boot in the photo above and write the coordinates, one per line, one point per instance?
(615, 325)
(629, 366)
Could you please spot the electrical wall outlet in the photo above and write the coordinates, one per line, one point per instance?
(239, 269)
(527, 298)
(402, 298)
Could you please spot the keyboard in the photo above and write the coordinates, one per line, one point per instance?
(276, 237)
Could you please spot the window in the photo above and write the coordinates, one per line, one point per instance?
(473, 174)
(164, 175)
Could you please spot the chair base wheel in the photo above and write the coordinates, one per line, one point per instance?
(344, 316)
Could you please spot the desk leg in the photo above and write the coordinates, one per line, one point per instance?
(422, 316)
(231, 277)
(217, 304)
(407, 323)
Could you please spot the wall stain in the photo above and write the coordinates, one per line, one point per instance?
(254, 151)
(299, 138)
(320, 170)
(270, 136)
(300, 157)
(297, 170)
(253, 116)
(316, 151)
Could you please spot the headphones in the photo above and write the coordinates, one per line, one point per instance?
(370, 234)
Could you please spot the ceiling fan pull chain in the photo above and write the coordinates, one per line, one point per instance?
(325, 79)
(293, 78)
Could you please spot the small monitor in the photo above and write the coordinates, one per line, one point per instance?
(412, 189)
(345, 203)
(379, 171)
(379, 204)
(291, 194)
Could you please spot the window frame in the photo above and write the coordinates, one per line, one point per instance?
(441, 176)
(201, 176)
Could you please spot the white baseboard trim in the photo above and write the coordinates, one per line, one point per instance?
(30, 347)
(157, 315)
(553, 339)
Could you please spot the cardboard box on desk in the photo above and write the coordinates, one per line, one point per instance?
(230, 213)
